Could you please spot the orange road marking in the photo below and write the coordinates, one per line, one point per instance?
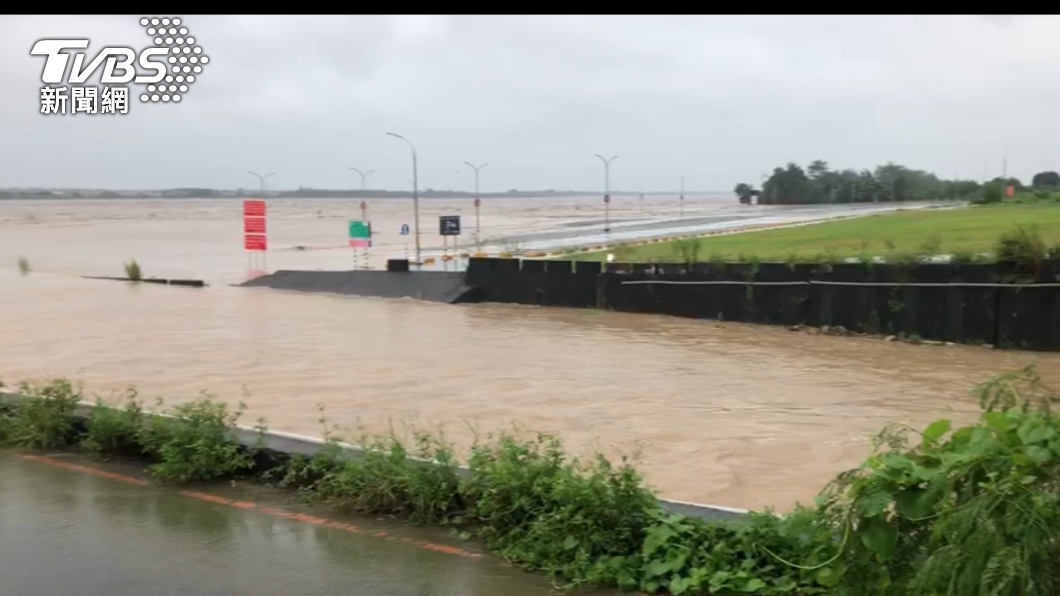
(84, 469)
(247, 505)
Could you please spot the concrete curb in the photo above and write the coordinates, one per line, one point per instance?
(292, 444)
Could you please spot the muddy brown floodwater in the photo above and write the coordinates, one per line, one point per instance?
(729, 414)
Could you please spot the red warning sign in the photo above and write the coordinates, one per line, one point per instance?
(253, 208)
(255, 242)
(254, 225)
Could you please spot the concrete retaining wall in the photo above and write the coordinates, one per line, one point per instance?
(432, 286)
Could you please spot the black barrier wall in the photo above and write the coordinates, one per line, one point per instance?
(1000, 304)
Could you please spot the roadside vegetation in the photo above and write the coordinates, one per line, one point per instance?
(24, 266)
(948, 510)
(970, 234)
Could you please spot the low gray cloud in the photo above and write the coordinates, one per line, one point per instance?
(719, 99)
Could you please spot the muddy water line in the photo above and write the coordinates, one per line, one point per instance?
(728, 414)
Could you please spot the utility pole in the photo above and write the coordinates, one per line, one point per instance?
(415, 197)
(478, 201)
(261, 180)
(364, 176)
(682, 197)
(607, 191)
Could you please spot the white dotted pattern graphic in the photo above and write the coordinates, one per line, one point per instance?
(168, 33)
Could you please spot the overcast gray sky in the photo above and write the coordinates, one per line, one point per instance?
(719, 99)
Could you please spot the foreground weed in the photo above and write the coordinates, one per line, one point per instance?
(194, 442)
(1022, 245)
(44, 418)
(115, 431)
(23, 266)
(546, 510)
(970, 511)
(421, 485)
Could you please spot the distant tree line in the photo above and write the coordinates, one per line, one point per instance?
(818, 183)
(1043, 185)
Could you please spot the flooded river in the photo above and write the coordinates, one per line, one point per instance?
(724, 413)
(68, 532)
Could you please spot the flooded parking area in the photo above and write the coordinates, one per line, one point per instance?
(66, 531)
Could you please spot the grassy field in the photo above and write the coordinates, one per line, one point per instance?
(955, 231)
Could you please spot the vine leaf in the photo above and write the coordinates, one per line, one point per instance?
(880, 538)
(936, 429)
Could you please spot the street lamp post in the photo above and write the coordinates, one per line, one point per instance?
(261, 180)
(682, 196)
(364, 176)
(607, 191)
(415, 197)
(478, 201)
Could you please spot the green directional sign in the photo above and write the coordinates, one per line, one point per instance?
(360, 234)
(359, 230)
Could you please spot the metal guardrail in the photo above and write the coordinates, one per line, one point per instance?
(292, 444)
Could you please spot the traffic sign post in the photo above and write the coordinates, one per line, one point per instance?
(405, 234)
(255, 234)
(478, 222)
(449, 225)
(364, 210)
(360, 239)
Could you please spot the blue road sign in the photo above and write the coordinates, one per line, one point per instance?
(404, 229)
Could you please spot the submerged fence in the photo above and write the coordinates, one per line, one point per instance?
(1003, 304)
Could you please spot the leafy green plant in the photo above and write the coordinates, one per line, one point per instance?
(115, 431)
(546, 510)
(931, 246)
(1023, 245)
(421, 485)
(970, 511)
(44, 418)
(962, 256)
(194, 442)
(688, 250)
(132, 270)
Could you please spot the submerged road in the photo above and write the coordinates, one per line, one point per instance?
(585, 233)
(65, 530)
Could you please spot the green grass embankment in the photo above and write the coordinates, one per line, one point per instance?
(967, 233)
(969, 511)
